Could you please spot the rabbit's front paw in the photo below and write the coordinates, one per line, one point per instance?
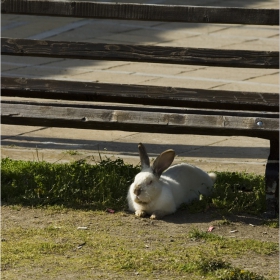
(158, 215)
(140, 213)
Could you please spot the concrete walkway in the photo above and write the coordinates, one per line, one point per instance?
(210, 153)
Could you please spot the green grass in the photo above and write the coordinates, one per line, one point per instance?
(239, 192)
(215, 268)
(234, 245)
(105, 185)
(76, 184)
(272, 223)
(234, 192)
(72, 153)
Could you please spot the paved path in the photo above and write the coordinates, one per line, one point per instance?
(211, 153)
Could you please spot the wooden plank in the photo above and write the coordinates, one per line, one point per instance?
(138, 53)
(136, 107)
(129, 120)
(175, 13)
(139, 94)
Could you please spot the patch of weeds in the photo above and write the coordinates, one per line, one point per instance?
(239, 274)
(16, 207)
(197, 234)
(224, 222)
(272, 223)
(76, 184)
(234, 192)
(239, 192)
(206, 265)
(217, 268)
(235, 246)
(72, 153)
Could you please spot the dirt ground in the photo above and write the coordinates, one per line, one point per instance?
(235, 226)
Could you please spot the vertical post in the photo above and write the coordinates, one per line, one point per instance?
(272, 180)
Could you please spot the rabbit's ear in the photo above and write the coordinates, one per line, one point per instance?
(163, 161)
(145, 161)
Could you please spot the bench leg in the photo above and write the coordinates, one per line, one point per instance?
(272, 180)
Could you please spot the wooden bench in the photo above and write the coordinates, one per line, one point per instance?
(141, 108)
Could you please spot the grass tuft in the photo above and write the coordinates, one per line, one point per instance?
(210, 265)
(240, 274)
(236, 245)
(217, 268)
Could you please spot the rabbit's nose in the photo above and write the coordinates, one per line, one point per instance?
(137, 191)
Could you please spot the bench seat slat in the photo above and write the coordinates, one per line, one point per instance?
(139, 94)
(141, 53)
(129, 120)
(88, 9)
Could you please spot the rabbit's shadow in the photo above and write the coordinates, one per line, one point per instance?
(185, 217)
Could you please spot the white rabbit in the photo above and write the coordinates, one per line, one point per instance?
(159, 195)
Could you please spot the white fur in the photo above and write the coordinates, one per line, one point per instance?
(179, 184)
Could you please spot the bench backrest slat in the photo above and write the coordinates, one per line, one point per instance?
(141, 53)
(87, 9)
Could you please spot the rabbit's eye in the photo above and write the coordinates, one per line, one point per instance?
(150, 182)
